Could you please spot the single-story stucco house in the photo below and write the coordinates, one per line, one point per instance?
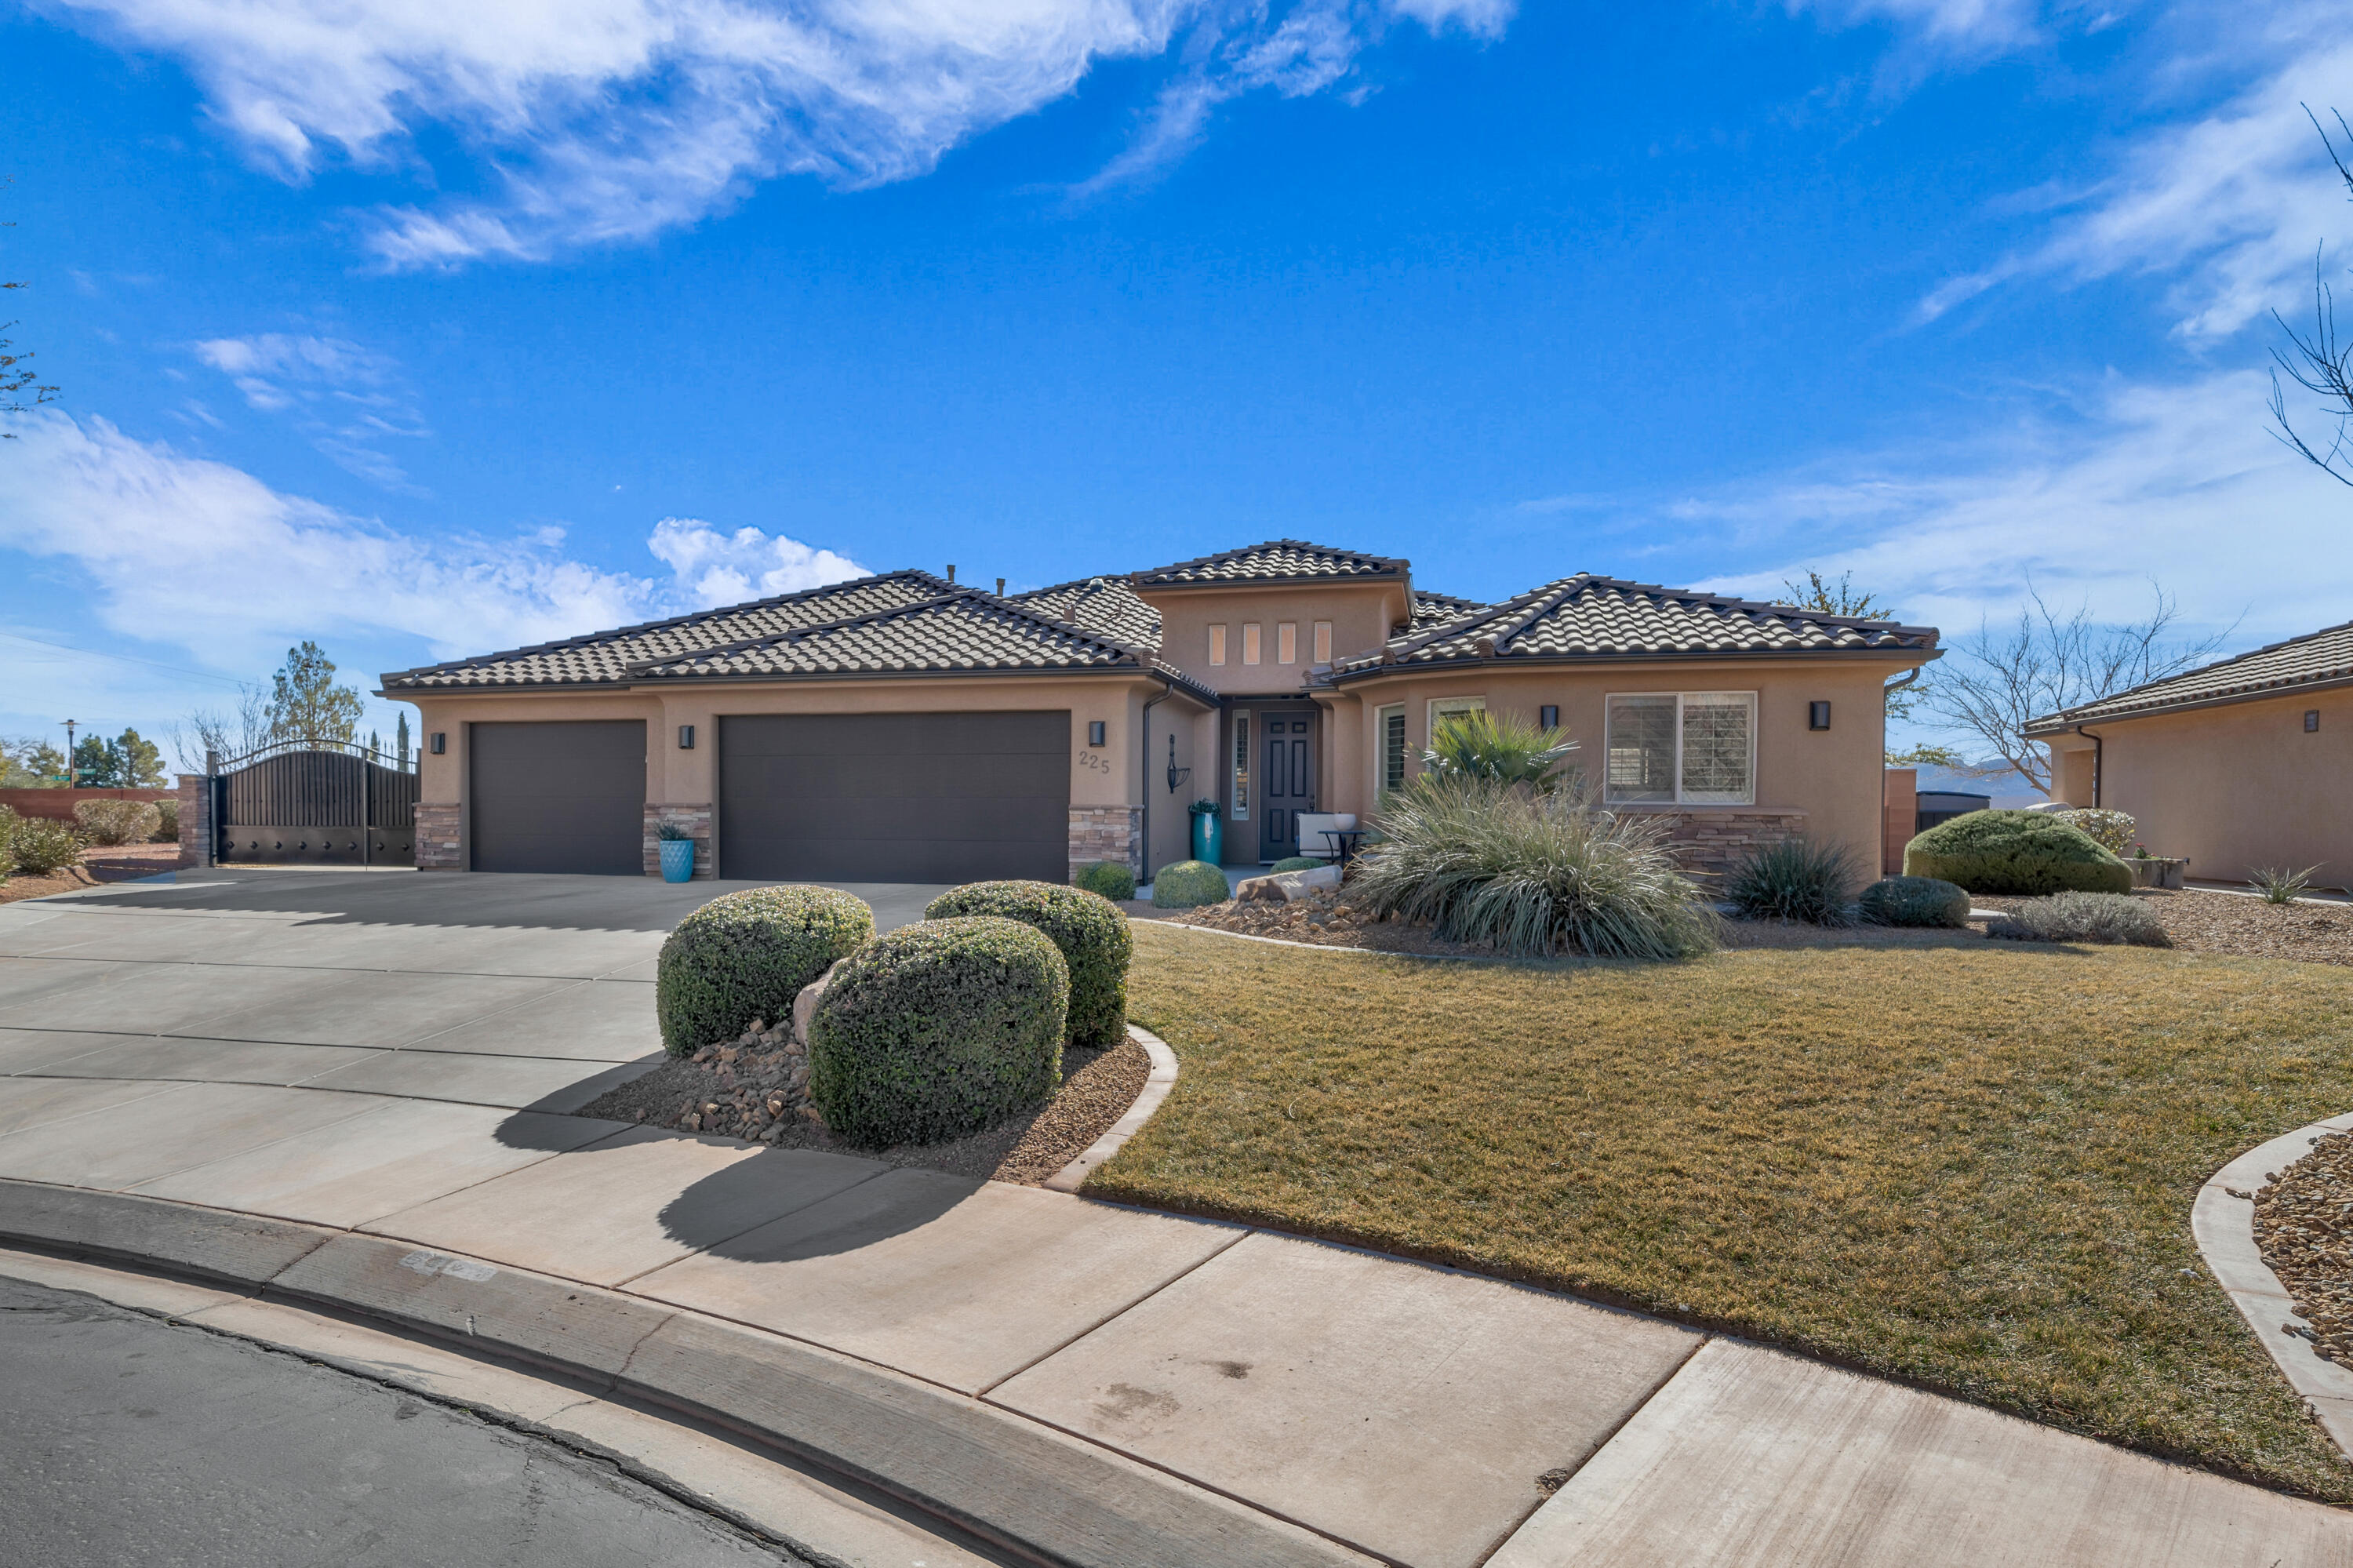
(2241, 764)
(906, 728)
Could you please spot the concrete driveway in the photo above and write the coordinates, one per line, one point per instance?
(509, 991)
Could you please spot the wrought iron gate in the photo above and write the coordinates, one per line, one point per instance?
(315, 803)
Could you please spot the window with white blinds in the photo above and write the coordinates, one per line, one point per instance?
(1687, 748)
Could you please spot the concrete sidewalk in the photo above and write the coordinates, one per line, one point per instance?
(1084, 1381)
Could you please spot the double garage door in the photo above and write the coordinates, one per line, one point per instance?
(802, 798)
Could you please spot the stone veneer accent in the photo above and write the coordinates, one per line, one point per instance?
(196, 819)
(439, 845)
(695, 816)
(1107, 832)
(1714, 839)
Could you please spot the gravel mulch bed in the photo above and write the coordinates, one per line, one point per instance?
(124, 863)
(755, 1089)
(2304, 1226)
(2197, 921)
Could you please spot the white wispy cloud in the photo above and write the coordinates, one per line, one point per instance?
(613, 120)
(2179, 482)
(344, 398)
(188, 552)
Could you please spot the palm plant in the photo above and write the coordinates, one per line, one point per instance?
(1531, 873)
(1508, 750)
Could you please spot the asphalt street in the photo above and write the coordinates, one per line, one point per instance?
(124, 1439)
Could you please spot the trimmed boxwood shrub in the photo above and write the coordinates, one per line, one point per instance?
(939, 1029)
(2028, 852)
(1110, 878)
(1914, 901)
(746, 955)
(1188, 885)
(1092, 937)
(1298, 862)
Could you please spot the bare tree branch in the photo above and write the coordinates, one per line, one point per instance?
(2002, 681)
(2321, 362)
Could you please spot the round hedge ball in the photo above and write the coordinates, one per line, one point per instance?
(1188, 885)
(1914, 901)
(1092, 935)
(2024, 853)
(746, 955)
(1298, 862)
(939, 1029)
(1108, 878)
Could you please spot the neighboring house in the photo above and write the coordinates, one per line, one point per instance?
(907, 727)
(2241, 764)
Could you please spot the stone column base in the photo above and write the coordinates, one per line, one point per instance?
(439, 845)
(1114, 834)
(694, 816)
(196, 819)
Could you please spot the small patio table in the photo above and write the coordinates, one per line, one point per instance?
(1345, 841)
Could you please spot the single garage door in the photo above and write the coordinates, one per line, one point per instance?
(895, 797)
(561, 796)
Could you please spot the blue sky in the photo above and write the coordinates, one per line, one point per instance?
(443, 328)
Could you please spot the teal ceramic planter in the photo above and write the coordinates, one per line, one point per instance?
(678, 860)
(1208, 838)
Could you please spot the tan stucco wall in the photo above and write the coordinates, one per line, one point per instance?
(1361, 616)
(2234, 787)
(1834, 776)
(1108, 775)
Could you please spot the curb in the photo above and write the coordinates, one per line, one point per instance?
(2223, 1221)
(1047, 1496)
(1157, 1086)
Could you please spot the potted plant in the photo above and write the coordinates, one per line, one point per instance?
(1208, 831)
(677, 851)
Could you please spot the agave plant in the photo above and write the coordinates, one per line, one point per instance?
(1532, 874)
(1508, 750)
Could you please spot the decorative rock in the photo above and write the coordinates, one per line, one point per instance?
(804, 1005)
(1288, 886)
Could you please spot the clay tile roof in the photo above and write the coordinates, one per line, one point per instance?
(1587, 615)
(1437, 608)
(900, 623)
(2319, 658)
(1277, 560)
(1099, 604)
(606, 657)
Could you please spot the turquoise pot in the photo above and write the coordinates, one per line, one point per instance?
(678, 860)
(1209, 839)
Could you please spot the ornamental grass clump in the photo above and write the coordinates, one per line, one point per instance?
(939, 1029)
(1795, 879)
(1532, 874)
(2113, 918)
(1914, 901)
(1089, 933)
(113, 823)
(2023, 852)
(744, 956)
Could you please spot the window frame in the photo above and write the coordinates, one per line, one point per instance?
(1322, 633)
(1448, 707)
(1253, 642)
(1238, 774)
(1286, 642)
(1381, 716)
(1609, 719)
(1217, 642)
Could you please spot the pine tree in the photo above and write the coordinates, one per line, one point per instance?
(305, 703)
(400, 740)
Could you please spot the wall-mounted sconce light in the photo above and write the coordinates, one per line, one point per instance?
(2311, 720)
(440, 743)
(1095, 732)
(1176, 775)
(1548, 716)
(686, 738)
(1818, 716)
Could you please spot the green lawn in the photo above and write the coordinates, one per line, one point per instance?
(1969, 1165)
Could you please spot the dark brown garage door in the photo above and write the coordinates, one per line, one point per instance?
(559, 797)
(894, 797)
